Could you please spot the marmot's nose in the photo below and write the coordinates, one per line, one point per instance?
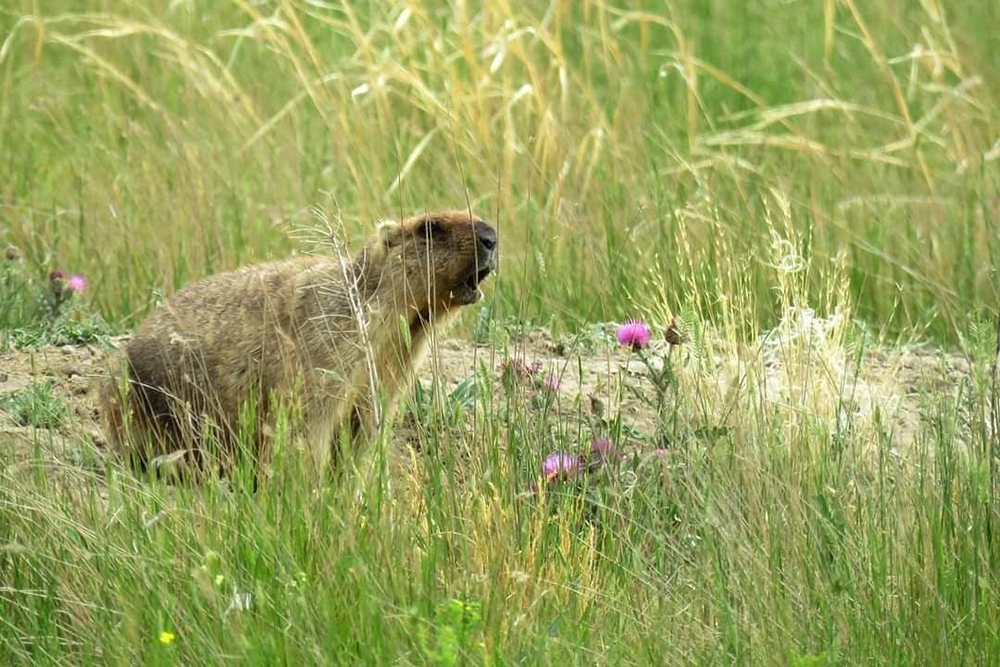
(486, 235)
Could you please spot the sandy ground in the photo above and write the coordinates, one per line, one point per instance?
(887, 390)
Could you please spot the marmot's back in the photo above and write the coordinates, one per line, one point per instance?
(214, 342)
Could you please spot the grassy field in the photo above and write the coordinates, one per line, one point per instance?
(814, 181)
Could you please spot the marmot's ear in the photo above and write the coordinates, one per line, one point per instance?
(390, 233)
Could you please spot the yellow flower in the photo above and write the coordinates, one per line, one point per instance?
(166, 637)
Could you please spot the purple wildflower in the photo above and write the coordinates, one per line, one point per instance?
(561, 465)
(56, 275)
(551, 382)
(634, 333)
(77, 283)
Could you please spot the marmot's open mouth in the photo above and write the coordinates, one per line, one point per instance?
(468, 290)
(478, 277)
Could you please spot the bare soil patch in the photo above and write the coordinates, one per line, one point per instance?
(898, 385)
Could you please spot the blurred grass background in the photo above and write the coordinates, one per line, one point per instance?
(649, 153)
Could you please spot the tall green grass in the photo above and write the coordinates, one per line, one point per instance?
(743, 165)
(151, 143)
(778, 537)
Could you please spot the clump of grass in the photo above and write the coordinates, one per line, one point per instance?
(452, 636)
(432, 407)
(776, 539)
(39, 406)
(66, 332)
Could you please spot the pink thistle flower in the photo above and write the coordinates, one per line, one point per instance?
(561, 465)
(77, 283)
(551, 383)
(634, 333)
(56, 275)
(533, 367)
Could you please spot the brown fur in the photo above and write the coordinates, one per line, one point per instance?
(326, 334)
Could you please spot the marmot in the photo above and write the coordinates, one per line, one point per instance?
(338, 338)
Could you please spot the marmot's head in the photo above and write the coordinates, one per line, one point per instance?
(438, 259)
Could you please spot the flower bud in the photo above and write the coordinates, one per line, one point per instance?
(673, 334)
(57, 283)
